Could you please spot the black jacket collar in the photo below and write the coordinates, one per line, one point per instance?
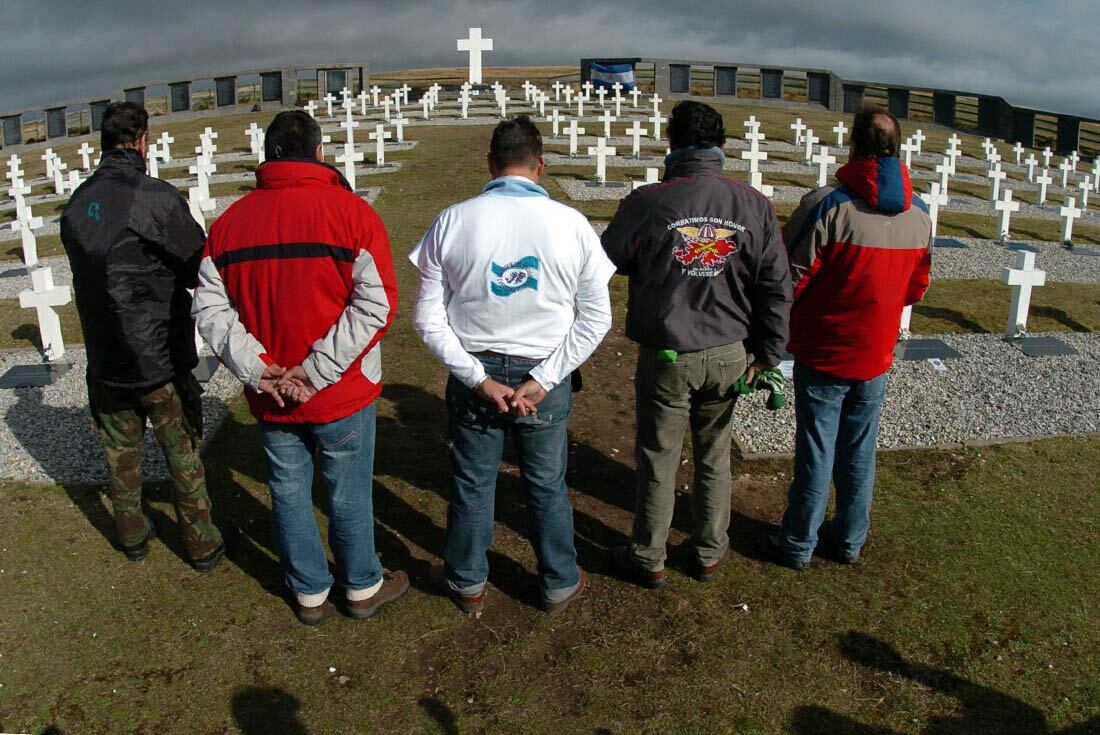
(124, 158)
(693, 161)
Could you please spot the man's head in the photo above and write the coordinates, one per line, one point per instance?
(695, 124)
(516, 150)
(292, 134)
(125, 125)
(875, 133)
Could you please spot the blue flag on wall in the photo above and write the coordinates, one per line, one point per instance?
(605, 75)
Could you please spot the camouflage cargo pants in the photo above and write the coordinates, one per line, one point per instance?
(175, 411)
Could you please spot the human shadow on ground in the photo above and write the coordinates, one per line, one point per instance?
(441, 713)
(266, 710)
(983, 709)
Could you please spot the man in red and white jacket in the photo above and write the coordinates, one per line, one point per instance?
(296, 290)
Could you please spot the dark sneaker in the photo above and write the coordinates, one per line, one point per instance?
(830, 548)
(708, 572)
(780, 556)
(469, 604)
(625, 564)
(140, 550)
(231, 538)
(554, 608)
(394, 587)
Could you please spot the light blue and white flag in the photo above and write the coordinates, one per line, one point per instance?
(605, 75)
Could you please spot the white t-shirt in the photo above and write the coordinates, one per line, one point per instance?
(513, 272)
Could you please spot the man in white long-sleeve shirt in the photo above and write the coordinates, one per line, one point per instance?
(513, 299)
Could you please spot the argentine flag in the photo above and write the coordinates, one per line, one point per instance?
(605, 75)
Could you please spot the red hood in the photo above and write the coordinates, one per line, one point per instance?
(288, 172)
(882, 182)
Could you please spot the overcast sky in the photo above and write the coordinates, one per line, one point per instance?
(1041, 53)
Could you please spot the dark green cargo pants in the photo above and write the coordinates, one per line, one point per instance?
(175, 411)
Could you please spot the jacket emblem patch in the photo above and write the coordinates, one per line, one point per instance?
(515, 277)
(705, 249)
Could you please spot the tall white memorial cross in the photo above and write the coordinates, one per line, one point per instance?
(73, 182)
(568, 91)
(988, 147)
(589, 87)
(206, 139)
(541, 100)
(202, 169)
(841, 130)
(311, 108)
(1074, 159)
(944, 170)
(329, 98)
(798, 127)
(85, 152)
(651, 177)
(607, 118)
(657, 119)
(1047, 155)
(994, 159)
(580, 105)
(996, 176)
(636, 131)
(59, 176)
(254, 132)
(756, 181)
(811, 140)
(464, 99)
(325, 140)
(363, 98)
(425, 105)
(601, 152)
(1043, 180)
(49, 158)
(919, 137)
(908, 148)
(44, 297)
(387, 104)
(1096, 174)
(618, 99)
(475, 45)
(1065, 168)
(1023, 278)
(1019, 150)
(934, 199)
(502, 102)
(1031, 163)
(1069, 213)
(755, 138)
(823, 160)
(601, 93)
(1006, 207)
(348, 102)
(404, 89)
(555, 121)
(25, 225)
(754, 156)
(349, 127)
(557, 86)
(573, 131)
(152, 161)
(399, 123)
(380, 136)
(1085, 185)
(349, 158)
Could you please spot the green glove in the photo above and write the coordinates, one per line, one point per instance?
(770, 380)
(667, 355)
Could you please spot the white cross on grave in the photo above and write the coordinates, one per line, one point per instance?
(1043, 180)
(573, 131)
(1085, 185)
(363, 98)
(349, 127)
(1019, 150)
(752, 124)
(380, 136)
(399, 123)
(1096, 174)
(261, 151)
(348, 102)
(73, 182)
(601, 152)
(325, 139)
(987, 146)
(651, 177)
(374, 92)
(1006, 207)
(85, 152)
(756, 181)
(635, 94)
(425, 105)
(202, 169)
(311, 108)
(1065, 168)
(841, 130)
(601, 93)
(207, 138)
(502, 102)
(48, 157)
(195, 205)
(607, 119)
(555, 122)
(996, 176)
(755, 138)
(618, 99)
(588, 87)
(754, 156)
(254, 132)
(387, 104)
(1047, 155)
(909, 148)
(1069, 213)
(580, 105)
(636, 131)
(934, 199)
(475, 45)
(44, 297)
(329, 100)
(152, 161)
(811, 140)
(798, 127)
(164, 145)
(404, 90)
(1023, 278)
(1031, 163)
(25, 226)
(657, 119)
(823, 160)
(349, 158)
(464, 99)
(541, 100)
(557, 86)
(944, 170)
(397, 101)
(1074, 159)
(568, 91)
(919, 137)
(59, 176)
(18, 194)
(994, 158)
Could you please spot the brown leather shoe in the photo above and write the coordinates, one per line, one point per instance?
(554, 608)
(307, 615)
(469, 604)
(394, 587)
(708, 572)
(624, 562)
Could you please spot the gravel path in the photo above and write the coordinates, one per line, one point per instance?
(47, 435)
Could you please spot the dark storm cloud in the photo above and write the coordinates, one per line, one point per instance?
(1042, 54)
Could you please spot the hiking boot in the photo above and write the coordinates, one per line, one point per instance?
(140, 550)
(231, 538)
(307, 615)
(469, 604)
(708, 572)
(780, 556)
(623, 560)
(394, 586)
(830, 546)
(554, 608)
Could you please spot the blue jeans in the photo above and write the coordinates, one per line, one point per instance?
(542, 446)
(345, 450)
(836, 428)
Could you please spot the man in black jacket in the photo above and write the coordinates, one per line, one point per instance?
(134, 250)
(709, 285)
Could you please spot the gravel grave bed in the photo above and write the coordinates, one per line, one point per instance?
(47, 434)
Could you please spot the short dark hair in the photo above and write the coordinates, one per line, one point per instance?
(516, 142)
(123, 124)
(292, 134)
(696, 124)
(875, 132)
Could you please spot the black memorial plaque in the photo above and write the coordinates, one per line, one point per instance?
(34, 376)
(924, 349)
(206, 368)
(1044, 347)
(1020, 247)
(950, 243)
(605, 185)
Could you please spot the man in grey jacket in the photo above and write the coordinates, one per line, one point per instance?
(709, 286)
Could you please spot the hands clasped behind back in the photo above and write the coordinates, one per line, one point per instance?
(519, 401)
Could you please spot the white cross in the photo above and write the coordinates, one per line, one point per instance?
(555, 121)
(44, 297)
(363, 98)
(1069, 213)
(996, 176)
(311, 108)
(349, 158)
(752, 124)
(261, 152)
(374, 92)
(823, 160)
(651, 177)
(1047, 155)
(909, 148)
(657, 119)
(329, 100)
(1074, 159)
(756, 181)
(380, 136)
(841, 129)
(919, 137)
(636, 131)
(588, 87)
(601, 152)
(49, 158)
(349, 127)
(1006, 207)
(254, 132)
(994, 158)
(944, 170)
(618, 99)
(601, 93)
(934, 199)
(541, 100)
(476, 46)
(195, 206)
(387, 104)
(1065, 168)
(1023, 278)
(404, 90)
(580, 105)
(203, 169)
(73, 182)
(425, 105)
(1043, 180)
(798, 127)
(754, 136)
(1096, 174)
(573, 131)
(1085, 185)
(754, 156)
(26, 225)
(464, 99)
(557, 90)
(349, 102)
(324, 139)
(811, 140)
(85, 152)
(1031, 163)
(987, 146)
(399, 124)
(568, 90)
(635, 94)
(1019, 150)
(607, 119)
(59, 176)
(152, 162)
(396, 96)
(954, 146)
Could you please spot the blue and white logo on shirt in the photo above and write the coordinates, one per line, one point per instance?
(514, 277)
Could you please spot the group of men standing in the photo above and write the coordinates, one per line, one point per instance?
(295, 290)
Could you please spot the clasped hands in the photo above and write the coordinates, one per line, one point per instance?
(519, 401)
(286, 385)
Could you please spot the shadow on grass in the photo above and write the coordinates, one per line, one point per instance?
(981, 709)
(263, 710)
(950, 315)
(442, 715)
(1060, 316)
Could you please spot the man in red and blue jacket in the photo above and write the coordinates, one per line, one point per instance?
(860, 252)
(296, 290)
